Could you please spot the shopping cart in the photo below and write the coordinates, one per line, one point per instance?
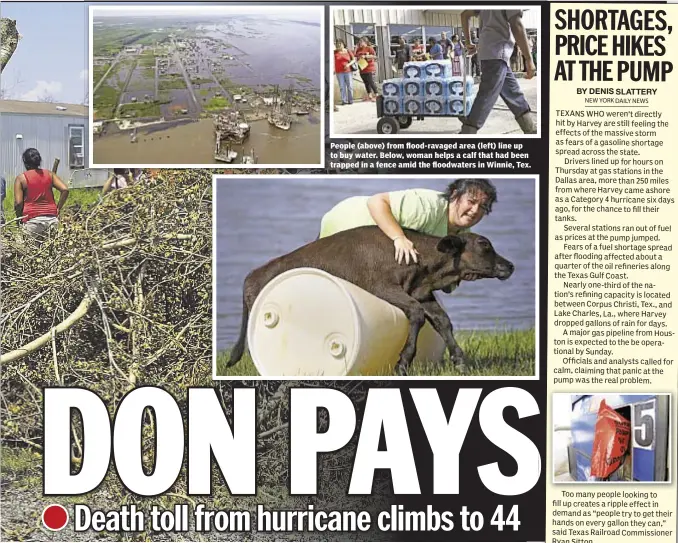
(392, 122)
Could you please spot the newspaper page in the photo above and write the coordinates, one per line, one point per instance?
(313, 271)
(612, 323)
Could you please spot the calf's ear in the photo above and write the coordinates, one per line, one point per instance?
(453, 245)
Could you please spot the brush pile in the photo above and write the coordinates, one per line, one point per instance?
(119, 297)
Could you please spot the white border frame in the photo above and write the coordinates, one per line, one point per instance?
(202, 7)
(282, 178)
(669, 430)
(405, 134)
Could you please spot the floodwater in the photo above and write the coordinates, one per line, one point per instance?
(258, 219)
(268, 49)
(193, 143)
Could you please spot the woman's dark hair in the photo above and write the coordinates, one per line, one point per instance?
(458, 188)
(31, 158)
(455, 36)
(120, 171)
(337, 42)
(432, 40)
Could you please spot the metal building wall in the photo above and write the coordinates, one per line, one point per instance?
(396, 16)
(416, 17)
(49, 135)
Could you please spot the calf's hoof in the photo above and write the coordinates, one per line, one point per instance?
(459, 361)
(401, 370)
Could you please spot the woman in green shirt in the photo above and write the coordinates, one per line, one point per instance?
(460, 207)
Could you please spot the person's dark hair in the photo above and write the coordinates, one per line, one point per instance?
(432, 41)
(31, 158)
(455, 37)
(337, 42)
(120, 171)
(458, 188)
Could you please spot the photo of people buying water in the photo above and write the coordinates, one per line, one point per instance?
(435, 71)
(375, 276)
(206, 85)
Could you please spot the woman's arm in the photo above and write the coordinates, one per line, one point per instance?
(58, 184)
(18, 197)
(379, 206)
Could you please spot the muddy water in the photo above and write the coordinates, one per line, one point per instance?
(193, 143)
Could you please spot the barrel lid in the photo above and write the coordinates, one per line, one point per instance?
(304, 323)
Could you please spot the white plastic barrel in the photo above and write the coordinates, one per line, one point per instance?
(306, 322)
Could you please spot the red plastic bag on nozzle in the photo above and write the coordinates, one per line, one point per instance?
(610, 441)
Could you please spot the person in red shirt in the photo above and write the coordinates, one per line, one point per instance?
(33, 196)
(418, 50)
(343, 60)
(366, 53)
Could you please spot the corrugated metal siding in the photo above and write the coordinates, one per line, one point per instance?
(531, 19)
(397, 16)
(416, 17)
(46, 133)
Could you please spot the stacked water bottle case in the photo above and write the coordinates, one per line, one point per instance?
(428, 88)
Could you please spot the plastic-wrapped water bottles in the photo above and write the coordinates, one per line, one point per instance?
(392, 87)
(455, 105)
(428, 88)
(455, 86)
(392, 105)
(437, 68)
(434, 87)
(413, 70)
(434, 105)
(413, 87)
(424, 69)
(413, 105)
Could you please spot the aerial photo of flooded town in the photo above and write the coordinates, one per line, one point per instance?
(206, 85)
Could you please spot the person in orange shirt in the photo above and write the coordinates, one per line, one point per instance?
(366, 52)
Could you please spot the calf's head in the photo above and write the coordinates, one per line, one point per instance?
(472, 257)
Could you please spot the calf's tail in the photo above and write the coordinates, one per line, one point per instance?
(239, 348)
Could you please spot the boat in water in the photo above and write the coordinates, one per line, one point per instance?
(280, 116)
(279, 121)
(231, 126)
(249, 159)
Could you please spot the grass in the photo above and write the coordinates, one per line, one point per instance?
(172, 84)
(147, 59)
(504, 353)
(217, 103)
(141, 109)
(105, 102)
(80, 197)
(99, 71)
(201, 80)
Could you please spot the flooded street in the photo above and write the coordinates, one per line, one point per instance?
(193, 143)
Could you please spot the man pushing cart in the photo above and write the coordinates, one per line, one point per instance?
(494, 49)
